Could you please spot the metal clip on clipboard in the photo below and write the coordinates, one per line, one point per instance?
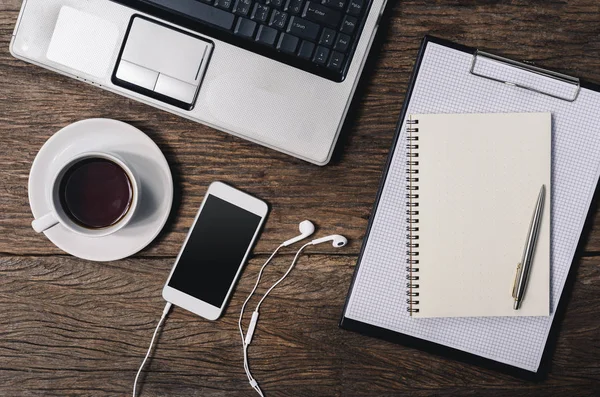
(561, 78)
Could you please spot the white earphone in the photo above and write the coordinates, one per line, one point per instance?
(338, 241)
(306, 230)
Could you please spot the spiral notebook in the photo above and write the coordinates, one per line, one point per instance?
(473, 183)
(450, 78)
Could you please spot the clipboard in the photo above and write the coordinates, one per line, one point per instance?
(569, 92)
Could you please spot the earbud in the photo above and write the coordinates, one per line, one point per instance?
(306, 229)
(338, 241)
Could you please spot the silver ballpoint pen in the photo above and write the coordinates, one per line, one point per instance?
(524, 267)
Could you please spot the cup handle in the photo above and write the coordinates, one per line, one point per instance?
(45, 222)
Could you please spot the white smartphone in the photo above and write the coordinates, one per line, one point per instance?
(215, 250)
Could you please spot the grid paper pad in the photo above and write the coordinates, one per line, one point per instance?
(444, 85)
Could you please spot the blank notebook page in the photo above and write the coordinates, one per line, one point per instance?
(444, 85)
(478, 180)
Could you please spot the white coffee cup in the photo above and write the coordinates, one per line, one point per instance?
(57, 213)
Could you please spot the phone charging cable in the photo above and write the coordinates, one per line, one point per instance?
(160, 323)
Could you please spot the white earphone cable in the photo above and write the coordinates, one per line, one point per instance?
(247, 339)
(253, 382)
(160, 322)
(254, 290)
(282, 277)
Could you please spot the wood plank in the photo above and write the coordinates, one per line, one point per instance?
(34, 103)
(71, 327)
(197, 155)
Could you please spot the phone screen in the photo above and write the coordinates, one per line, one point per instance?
(214, 251)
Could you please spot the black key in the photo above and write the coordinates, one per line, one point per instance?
(245, 27)
(342, 43)
(348, 25)
(355, 7)
(208, 1)
(306, 49)
(242, 7)
(327, 37)
(321, 55)
(305, 29)
(287, 43)
(224, 4)
(266, 35)
(278, 19)
(336, 61)
(294, 6)
(275, 3)
(260, 13)
(337, 4)
(323, 15)
(199, 11)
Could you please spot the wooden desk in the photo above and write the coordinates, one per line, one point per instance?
(72, 327)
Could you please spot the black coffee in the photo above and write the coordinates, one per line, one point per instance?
(96, 193)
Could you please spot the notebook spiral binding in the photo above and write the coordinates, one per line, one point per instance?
(412, 212)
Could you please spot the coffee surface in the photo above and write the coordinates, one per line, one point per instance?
(96, 193)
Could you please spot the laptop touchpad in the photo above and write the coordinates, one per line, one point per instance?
(162, 62)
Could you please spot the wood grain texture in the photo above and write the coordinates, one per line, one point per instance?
(70, 327)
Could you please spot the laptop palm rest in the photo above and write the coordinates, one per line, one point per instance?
(162, 62)
(83, 42)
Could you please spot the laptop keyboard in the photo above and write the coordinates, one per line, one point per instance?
(317, 36)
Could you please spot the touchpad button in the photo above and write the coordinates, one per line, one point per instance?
(162, 62)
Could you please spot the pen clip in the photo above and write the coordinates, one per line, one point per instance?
(516, 283)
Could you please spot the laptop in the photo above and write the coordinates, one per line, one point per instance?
(280, 73)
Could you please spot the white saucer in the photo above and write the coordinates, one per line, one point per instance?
(143, 156)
